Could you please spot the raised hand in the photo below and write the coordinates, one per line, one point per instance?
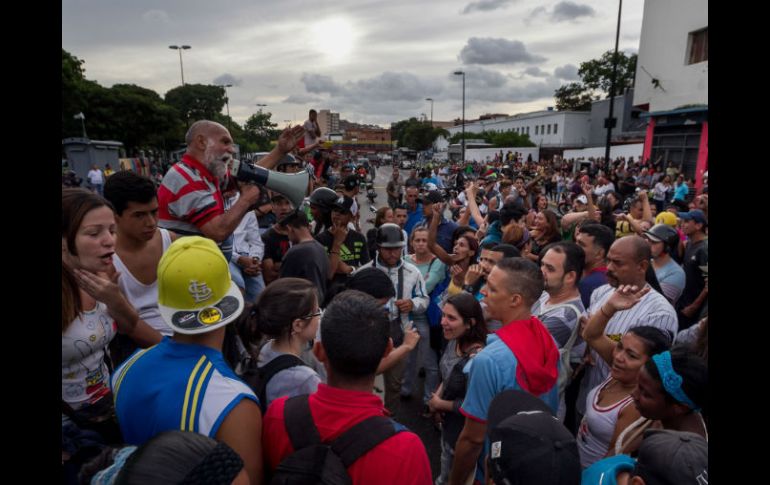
(626, 296)
(102, 289)
(474, 274)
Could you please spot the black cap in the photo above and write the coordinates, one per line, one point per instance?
(343, 204)
(389, 235)
(433, 197)
(350, 182)
(371, 281)
(528, 445)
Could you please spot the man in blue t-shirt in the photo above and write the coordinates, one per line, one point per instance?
(521, 355)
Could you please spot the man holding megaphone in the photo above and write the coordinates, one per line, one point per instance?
(190, 198)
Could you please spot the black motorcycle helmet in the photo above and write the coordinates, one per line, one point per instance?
(665, 234)
(390, 236)
(324, 197)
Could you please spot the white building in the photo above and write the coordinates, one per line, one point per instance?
(328, 122)
(672, 83)
(545, 128)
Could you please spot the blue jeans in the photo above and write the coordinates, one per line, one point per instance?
(252, 286)
(423, 356)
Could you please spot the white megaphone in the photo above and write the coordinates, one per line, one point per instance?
(292, 185)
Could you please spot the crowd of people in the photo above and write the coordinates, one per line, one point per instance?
(214, 332)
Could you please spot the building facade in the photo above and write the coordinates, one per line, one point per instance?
(671, 84)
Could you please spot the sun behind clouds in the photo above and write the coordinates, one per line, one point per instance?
(335, 38)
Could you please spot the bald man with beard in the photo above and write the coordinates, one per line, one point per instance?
(190, 198)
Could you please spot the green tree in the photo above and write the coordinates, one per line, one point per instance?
(197, 101)
(596, 80)
(259, 132)
(574, 97)
(596, 74)
(415, 134)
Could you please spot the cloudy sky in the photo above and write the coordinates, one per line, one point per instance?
(371, 61)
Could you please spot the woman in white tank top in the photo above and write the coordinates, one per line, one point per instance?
(607, 406)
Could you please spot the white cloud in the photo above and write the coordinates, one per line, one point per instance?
(227, 78)
(301, 99)
(535, 71)
(564, 11)
(567, 72)
(496, 51)
(486, 5)
(155, 17)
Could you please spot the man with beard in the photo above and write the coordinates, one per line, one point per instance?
(190, 198)
(560, 307)
(628, 260)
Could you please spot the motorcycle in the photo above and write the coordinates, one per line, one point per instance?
(371, 194)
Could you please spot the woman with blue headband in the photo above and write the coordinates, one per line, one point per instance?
(670, 394)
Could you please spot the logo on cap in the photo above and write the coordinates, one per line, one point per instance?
(210, 315)
(199, 292)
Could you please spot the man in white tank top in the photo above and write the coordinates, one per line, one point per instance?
(139, 243)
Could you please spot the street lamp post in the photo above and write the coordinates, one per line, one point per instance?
(431, 110)
(227, 102)
(462, 73)
(261, 106)
(180, 49)
(612, 89)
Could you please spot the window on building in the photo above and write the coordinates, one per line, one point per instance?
(536, 129)
(528, 130)
(698, 46)
(549, 128)
(542, 129)
(555, 127)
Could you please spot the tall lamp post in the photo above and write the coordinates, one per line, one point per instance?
(612, 89)
(431, 110)
(180, 49)
(462, 73)
(261, 106)
(227, 102)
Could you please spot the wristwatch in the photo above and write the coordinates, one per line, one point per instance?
(469, 288)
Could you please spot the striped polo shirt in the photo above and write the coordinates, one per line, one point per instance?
(175, 386)
(188, 197)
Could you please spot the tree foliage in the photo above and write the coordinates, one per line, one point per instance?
(596, 80)
(137, 116)
(415, 134)
(259, 132)
(573, 97)
(197, 101)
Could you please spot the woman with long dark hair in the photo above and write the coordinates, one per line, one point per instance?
(465, 330)
(287, 312)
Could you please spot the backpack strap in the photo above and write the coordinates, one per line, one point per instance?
(266, 372)
(573, 336)
(363, 437)
(299, 423)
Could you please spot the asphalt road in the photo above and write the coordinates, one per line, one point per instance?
(409, 413)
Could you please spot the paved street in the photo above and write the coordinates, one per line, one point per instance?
(409, 414)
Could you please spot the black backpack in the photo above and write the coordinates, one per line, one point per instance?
(314, 462)
(258, 377)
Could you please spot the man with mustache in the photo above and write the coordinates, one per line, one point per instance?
(190, 198)
(627, 263)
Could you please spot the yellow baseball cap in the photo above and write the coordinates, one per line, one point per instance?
(666, 217)
(195, 292)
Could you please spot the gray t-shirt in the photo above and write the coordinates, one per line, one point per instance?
(293, 381)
